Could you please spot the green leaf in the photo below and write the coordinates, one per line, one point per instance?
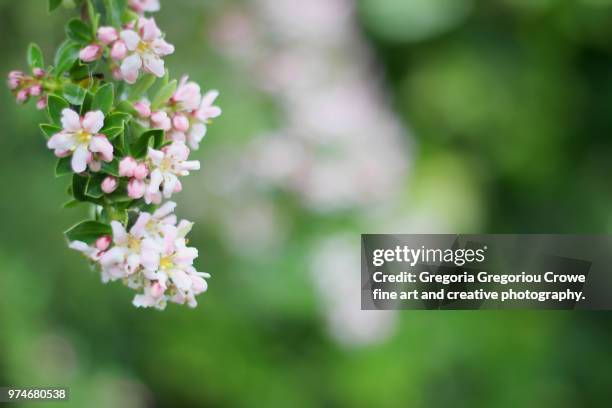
(79, 186)
(126, 107)
(121, 5)
(111, 168)
(86, 106)
(103, 99)
(63, 166)
(112, 214)
(94, 186)
(79, 31)
(163, 95)
(66, 56)
(88, 231)
(141, 87)
(71, 204)
(129, 16)
(150, 138)
(35, 57)
(113, 132)
(114, 11)
(115, 119)
(74, 94)
(49, 130)
(95, 17)
(55, 106)
(79, 72)
(114, 124)
(53, 4)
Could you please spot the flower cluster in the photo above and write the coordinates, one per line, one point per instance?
(80, 139)
(25, 86)
(139, 46)
(126, 156)
(186, 115)
(151, 257)
(157, 176)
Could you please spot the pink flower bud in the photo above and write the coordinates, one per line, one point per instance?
(144, 109)
(181, 123)
(42, 103)
(107, 35)
(14, 79)
(141, 171)
(90, 53)
(119, 51)
(103, 242)
(178, 187)
(13, 83)
(16, 75)
(95, 165)
(136, 188)
(157, 289)
(109, 184)
(38, 72)
(62, 153)
(22, 96)
(127, 167)
(117, 74)
(36, 90)
(161, 121)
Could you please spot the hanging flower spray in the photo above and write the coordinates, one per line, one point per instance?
(124, 132)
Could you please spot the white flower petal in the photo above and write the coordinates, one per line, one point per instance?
(71, 121)
(130, 38)
(79, 159)
(100, 144)
(130, 67)
(120, 236)
(93, 122)
(154, 65)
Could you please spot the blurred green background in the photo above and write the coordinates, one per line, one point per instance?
(340, 117)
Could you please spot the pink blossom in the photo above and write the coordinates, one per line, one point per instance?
(143, 108)
(201, 118)
(166, 166)
(103, 242)
(91, 53)
(141, 171)
(180, 123)
(108, 35)
(119, 51)
(127, 167)
(160, 120)
(157, 289)
(142, 6)
(207, 110)
(187, 96)
(109, 184)
(136, 188)
(146, 48)
(38, 72)
(42, 103)
(36, 90)
(80, 138)
(23, 96)
(15, 78)
(117, 74)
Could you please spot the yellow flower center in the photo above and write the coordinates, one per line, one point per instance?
(165, 262)
(83, 137)
(166, 164)
(134, 243)
(142, 47)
